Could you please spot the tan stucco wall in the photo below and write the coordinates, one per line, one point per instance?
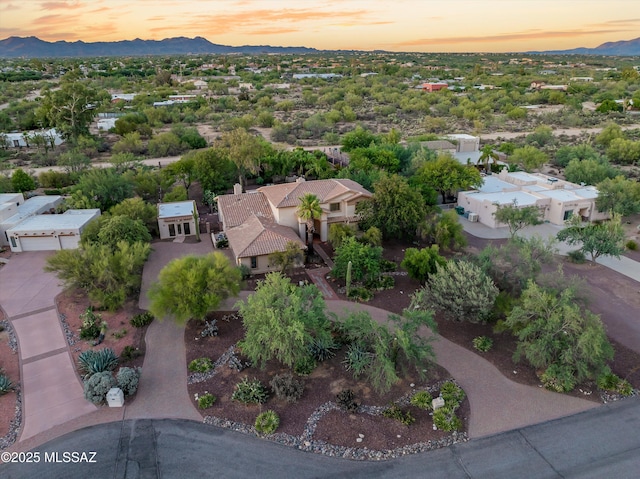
(163, 226)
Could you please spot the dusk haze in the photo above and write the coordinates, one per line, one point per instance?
(401, 25)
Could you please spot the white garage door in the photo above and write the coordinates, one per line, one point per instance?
(69, 242)
(39, 243)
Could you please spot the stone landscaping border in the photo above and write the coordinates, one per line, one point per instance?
(15, 424)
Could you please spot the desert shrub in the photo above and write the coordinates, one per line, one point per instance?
(631, 245)
(98, 385)
(322, 348)
(482, 343)
(387, 266)
(237, 364)
(445, 419)
(395, 412)
(422, 399)
(206, 401)
(250, 391)
(381, 283)
(120, 333)
(245, 271)
(141, 320)
(559, 379)
(286, 387)
(210, 329)
(127, 380)
(90, 328)
(357, 359)
(346, 401)
(610, 382)
(338, 232)
(200, 365)
(5, 384)
(576, 256)
(305, 366)
(452, 394)
(129, 352)
(267, 422)
(94, 361)
(361, 294)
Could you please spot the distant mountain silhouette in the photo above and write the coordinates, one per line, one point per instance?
(625, 48)
(33, 47)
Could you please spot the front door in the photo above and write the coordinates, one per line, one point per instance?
(172, 229)
(187, 229)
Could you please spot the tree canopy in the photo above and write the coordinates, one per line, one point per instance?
(193, 286)
(281, 320)
(517, 218)
(446, 175)
(395, 209)
(606, 239)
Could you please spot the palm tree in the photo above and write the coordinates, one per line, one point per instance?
(309, 210)
(487, 155)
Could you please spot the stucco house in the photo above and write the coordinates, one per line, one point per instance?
(51, 232)
(558, 200)
(261, 222)
(14, 210)
(177, 219)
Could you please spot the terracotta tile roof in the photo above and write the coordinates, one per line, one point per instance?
(259, 236)
(236, 209)
(288, 194)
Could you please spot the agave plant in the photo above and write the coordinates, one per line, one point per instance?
(96, 361)
(5, 384)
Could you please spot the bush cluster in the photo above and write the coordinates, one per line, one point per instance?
(200, 365)
(395, 412)
(90, 328)
(128, 379)
(97, 386)
(482, 343)
(267, 422)
(286, 387)
(141, 320)
(346, 401)
(210, 329)
(206, 400)
(250, 391)
(422, 400)
(94, 361)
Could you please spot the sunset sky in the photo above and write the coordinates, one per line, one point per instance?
(396, 25)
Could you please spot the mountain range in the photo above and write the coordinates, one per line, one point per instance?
(33, 47)
(623, 48)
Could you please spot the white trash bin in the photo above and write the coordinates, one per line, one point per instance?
(115, 397)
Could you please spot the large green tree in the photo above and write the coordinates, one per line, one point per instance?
(528, 158)
(193, 286)
(517, 218)
(365, 260)
(395, 208)
(108, 275)
(589, 172)
(619, 195)
(100, 188)
(555, 334)
(245, 151)
(281, 320)
(71, 108)
(605, 239)
(22, 181)
(447, 176)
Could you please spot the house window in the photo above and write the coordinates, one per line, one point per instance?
(172, 230)
(179, 228)
(254, 262)
(13, 242)
(334, 206)
(567, 214)
(187, 229)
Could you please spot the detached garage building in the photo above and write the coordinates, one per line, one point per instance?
(14, 210)
(50, 232)
(177, 219)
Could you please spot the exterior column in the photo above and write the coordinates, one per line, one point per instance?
(302, 230)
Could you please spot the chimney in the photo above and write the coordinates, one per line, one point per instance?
(237, 189)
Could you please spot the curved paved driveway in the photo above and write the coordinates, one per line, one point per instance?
(52, 391)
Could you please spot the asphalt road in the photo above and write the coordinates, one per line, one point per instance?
(602, 442)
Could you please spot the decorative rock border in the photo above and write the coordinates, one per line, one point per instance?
(72, 338)
(16, 422)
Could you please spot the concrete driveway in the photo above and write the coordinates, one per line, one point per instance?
(52, 391)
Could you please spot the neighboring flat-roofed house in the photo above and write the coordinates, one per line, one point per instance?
(558, 200)
(50, 232)
(431, 87)
(16, 210)
(262, 222)
(176, 219)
